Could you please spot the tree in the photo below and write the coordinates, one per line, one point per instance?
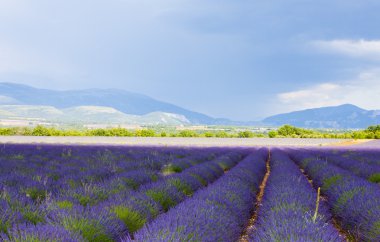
(40, 130)
(272, 134)
(287, 130)
(245, 134)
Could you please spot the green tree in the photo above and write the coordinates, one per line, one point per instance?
(40, 130)
(208, 134)
(187, 133)
(221, 134)
(287, 130)
(272, 134)
(145, 133)
(245, 134)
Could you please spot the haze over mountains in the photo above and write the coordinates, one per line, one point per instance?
(96, 105)
(113, 106)
(345, 116)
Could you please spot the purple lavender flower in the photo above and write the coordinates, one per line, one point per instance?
(41, 233)
(354, 200)
(216, 213)
(288, 207)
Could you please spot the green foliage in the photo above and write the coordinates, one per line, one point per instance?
(32, 216)
(119, 132)
(29, 238)
(272, 134)
(132, 220)
(294, 132)
(373, 128)
(245, 134)
(224, 165)
(375, 230)
(208, 134)
(97, 195)
(200, 179)
(372, 132)
(7, 131)
(170, 169)
(83, 200)
(41, 131)
(91, 230)
(346, 196)
(65, 204)
(187, 133)
(99, 132)
(328, 182)
(221, 134)
(131, 183)
(4, 225)
(162, 198)
(181, 186)
(145, 133)
(35, 194)
(375, 178)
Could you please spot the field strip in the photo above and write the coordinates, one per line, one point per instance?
(251, 224)
(334, 221)
(351, 142)
(168, 141)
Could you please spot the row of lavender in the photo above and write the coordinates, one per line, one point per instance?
(289, 209)
(97, 194)
(354, 200)
(363, 163)
(216, 213)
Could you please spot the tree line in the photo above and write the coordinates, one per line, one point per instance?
(285, 131)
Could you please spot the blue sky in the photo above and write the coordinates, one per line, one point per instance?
(236, 59)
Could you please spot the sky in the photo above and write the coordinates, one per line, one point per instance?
(236, 59)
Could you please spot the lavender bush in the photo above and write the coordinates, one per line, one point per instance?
(216, 213)
(288, 207)
(354, 200)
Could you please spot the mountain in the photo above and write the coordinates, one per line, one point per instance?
(113, 106)
(87, 115)
(345, 116)
(123, 102)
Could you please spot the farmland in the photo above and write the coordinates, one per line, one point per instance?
(71, 192)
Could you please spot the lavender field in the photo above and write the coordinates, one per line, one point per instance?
(129, 193)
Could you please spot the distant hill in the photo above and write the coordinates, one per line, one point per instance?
(123, 102)
(87, 115)
(114, 106)
(345, 116)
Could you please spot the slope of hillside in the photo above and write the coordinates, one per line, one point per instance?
(88, 115)
(123, 101)
(337, 117)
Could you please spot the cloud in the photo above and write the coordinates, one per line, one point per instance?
(364, 91)
(369, 49)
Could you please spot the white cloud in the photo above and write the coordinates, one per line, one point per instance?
(356, 48)
(364, 91)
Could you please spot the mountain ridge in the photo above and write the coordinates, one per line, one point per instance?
(115, 106)
(343, 116)
(87, 115)
(124, 101)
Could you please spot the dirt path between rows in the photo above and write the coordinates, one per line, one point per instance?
(251, 224)
(334, 221)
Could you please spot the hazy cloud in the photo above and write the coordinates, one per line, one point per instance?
(355, 48)
(364, 91)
